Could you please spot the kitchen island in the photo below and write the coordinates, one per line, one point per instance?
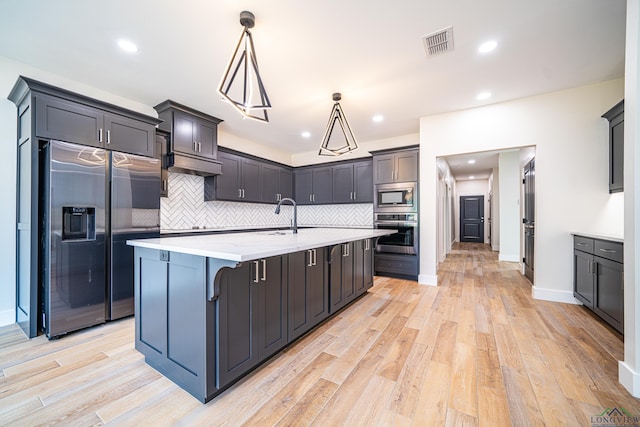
(211, 308)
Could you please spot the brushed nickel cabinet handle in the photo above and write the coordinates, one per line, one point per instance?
(257, 266)
(99, 135)
(108, 136)
(609, 251)
(310, 263)
(264, 270)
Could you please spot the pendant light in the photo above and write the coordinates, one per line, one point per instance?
(245, 92)
(337, 116)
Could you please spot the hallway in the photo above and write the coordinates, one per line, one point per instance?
(476, 350)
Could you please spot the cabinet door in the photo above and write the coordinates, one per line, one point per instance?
(286, 183)
(228, 184)
(363, 266)
(269, 181)
(348, 272)
(322, 185)
(237, 324)
(616, 154)
(406, 166)
(161, 152)
(308, 292)
(128, 135)
(68, 121)
(343, 183)
(304, 187)
(583, 280)
(363, 182)
(184, 133)
(368, 264)
(251, 188)
(207, 139)
(272, 305)
(336, 294)
(609, 300)
(383, 169)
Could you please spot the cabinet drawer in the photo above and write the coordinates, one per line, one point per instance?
(609, 250)
(399, 264)
(583, 244)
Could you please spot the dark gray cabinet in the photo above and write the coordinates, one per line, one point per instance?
(276, 182)
(162, 141)
(192, 132)
(313, 185)
(363, 265)
(308, 291)
(395, 166)
(615, 116)
(353, 182)
(249, 179)
(240, 179)
(70, 121)
(252, 318)
(342, 286)
(599, 278)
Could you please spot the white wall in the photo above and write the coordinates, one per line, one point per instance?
(509, 173)
(629, 369)
(570, 138)
(474, 187)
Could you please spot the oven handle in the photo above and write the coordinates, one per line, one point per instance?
(396, 224)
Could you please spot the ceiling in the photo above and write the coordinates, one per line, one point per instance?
(371, 52)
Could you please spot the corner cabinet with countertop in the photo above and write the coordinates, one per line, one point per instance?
(599, 276)
(209, 310)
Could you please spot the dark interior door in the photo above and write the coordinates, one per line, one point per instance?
(529, 217)
(472, 219)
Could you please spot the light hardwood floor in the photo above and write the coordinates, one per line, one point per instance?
(476, 350)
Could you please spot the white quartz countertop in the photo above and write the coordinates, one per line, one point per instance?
(610, 237)
(259, 244)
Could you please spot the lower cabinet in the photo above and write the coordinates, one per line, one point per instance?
(350, 272)
(252, 321)
(308, 291)
(363, 265)
(598, 278)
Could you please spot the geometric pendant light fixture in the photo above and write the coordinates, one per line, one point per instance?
(241, 83)
(338, 143)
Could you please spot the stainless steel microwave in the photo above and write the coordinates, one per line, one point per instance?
(398, 197)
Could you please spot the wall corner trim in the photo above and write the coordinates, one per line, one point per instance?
(425, 279)
(629, 378)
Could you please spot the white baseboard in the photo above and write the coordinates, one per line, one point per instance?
(7, 317)
(629, 378)
(554, 295)
(495, 248)
(425, 279)
(509, 257)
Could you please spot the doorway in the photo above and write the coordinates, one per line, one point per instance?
(472, 219)
(529, 218)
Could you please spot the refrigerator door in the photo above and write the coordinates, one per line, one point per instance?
(73, 273)
(135, 214)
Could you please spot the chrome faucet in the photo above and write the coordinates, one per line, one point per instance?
(295, 212)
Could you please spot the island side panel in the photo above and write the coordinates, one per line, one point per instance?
(171, 317)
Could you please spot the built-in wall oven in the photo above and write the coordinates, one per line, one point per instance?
(405, 240)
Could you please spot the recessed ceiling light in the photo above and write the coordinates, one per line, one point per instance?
(127, 46)
(306, 134)
(487, 46)
(483, 95)
(472, 177)
(378, 118)
(471, 161)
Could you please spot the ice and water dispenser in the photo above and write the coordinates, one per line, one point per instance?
(78, 223)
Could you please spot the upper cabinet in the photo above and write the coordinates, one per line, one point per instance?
(353, 182)
(246, 178)
(194, 138)
(66, 116)
(615, 116)
(395, 165)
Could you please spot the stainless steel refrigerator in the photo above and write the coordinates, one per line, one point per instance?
(93, 201)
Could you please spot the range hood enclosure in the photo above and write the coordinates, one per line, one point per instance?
(193, 141)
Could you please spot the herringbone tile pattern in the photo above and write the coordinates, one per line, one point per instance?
(185, 208)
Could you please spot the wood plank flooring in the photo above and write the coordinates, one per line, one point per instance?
(476, 350)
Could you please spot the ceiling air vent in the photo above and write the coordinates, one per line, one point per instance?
(438, 42)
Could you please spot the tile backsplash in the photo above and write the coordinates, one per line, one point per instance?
(185, 208)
